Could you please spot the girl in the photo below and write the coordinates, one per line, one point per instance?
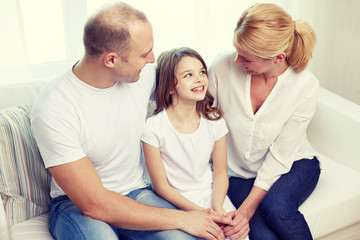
(185, 131)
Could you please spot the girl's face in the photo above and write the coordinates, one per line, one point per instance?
(251, 64)
(192, 81)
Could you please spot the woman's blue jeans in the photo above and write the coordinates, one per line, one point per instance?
(278, 216)
(68, 222)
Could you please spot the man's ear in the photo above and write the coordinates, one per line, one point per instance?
(280, 57)
(110, 58)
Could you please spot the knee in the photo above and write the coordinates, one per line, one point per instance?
(87, 229)
(276, 209)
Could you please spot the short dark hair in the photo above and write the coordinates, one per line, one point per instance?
(108, 30)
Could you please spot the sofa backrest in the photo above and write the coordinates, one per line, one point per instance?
(335, 129)
(15, 94)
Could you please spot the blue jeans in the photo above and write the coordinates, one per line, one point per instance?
(278, 217)
(68, 222)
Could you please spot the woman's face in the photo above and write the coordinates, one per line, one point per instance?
(251, 64)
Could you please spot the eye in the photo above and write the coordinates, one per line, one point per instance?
(245, 59)
(203, 72)
(188, 75)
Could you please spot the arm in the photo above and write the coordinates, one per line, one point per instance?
(221, 180)
(285, 146)
(159, 180)
(83, 186)
(244, 213)
(81, 183)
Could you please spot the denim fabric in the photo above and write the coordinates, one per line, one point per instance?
(278, 216)
(68, 222)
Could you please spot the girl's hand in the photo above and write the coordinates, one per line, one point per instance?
(219, 210)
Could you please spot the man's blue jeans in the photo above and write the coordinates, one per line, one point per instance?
(278, 216)
(68, 222)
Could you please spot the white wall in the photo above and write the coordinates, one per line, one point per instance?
(205, 25)
(337, 54)
(336, 58)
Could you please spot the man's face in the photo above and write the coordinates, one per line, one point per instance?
(140, 53)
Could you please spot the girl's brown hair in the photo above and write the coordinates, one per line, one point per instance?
(166, 82)
(266, 30)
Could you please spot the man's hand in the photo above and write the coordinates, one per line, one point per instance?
(204, 224)
(240, 228)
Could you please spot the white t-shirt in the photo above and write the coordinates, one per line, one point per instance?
(71, 120)
(186, 157)
(264, 145)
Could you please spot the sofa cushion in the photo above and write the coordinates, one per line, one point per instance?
(33, 229)
(334, 204)
(24, 181)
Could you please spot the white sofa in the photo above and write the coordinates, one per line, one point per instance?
(332, 211)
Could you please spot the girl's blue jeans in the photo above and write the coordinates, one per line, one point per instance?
(278, 217)
(68, 222)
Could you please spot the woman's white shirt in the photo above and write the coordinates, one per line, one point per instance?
(264, 145)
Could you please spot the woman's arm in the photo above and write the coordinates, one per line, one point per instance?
(159, 180)
(221, 180)
(243, 214)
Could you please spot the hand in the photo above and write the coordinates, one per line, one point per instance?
(219, 210)
(204, 224)
(240, 228)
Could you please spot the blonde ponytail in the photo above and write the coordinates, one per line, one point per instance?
(301, 46)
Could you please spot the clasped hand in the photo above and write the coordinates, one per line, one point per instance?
(208, 224)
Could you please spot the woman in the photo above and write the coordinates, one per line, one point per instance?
(268, 99)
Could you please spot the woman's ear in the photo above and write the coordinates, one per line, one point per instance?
(280, 58)
(172, 91)
(110, 58)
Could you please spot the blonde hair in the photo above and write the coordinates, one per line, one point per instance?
(266, 30)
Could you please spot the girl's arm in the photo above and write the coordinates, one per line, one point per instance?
(221, 180)
(159, 180)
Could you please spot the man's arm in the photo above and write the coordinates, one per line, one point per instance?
(81, 183)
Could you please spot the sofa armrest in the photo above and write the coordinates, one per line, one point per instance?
(4, 229)
(335, 129)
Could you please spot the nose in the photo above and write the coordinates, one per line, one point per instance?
(238, 60)
(150, 57)
(201, 78)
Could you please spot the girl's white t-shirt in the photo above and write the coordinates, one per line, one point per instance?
(186, 157)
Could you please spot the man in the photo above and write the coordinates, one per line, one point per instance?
(88, 124)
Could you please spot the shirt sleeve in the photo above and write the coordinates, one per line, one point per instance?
(57, 140)
(221, 129)
(150, 133)
(283, 151)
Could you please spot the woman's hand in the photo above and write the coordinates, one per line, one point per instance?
(240, 228)
(204, 224)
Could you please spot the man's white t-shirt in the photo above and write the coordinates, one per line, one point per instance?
(71, 120)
